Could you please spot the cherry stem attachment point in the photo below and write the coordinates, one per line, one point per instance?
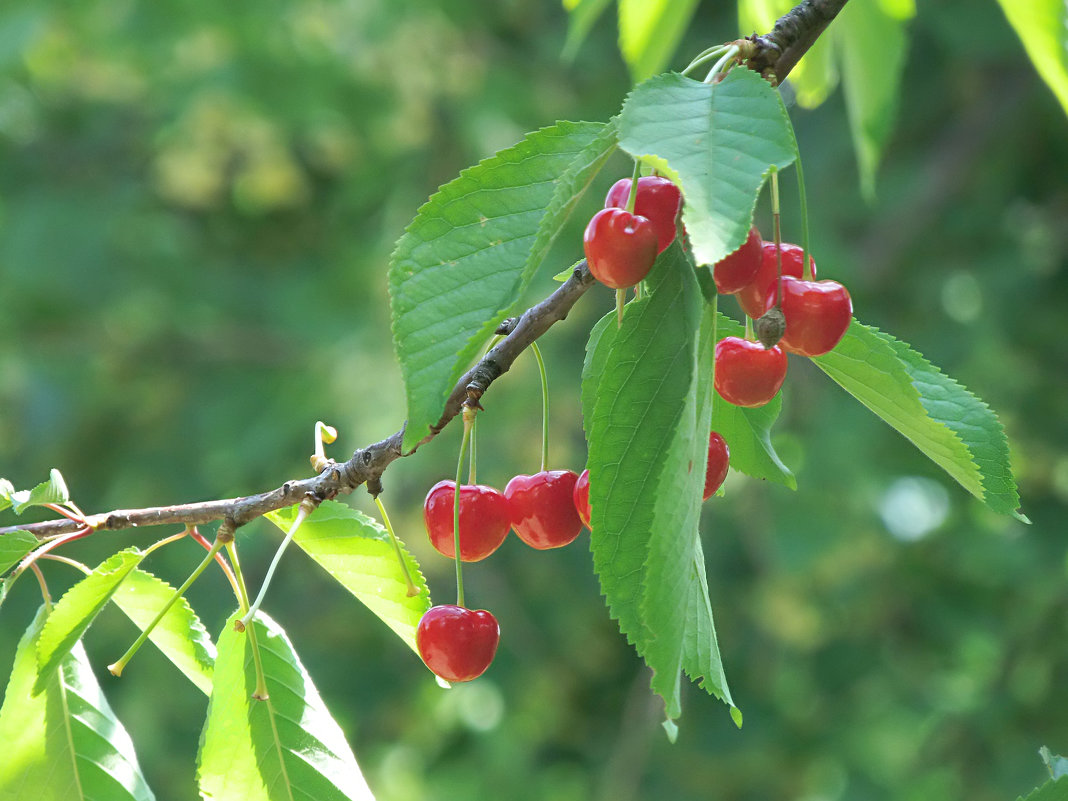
(412, 590)
(200, 538)
(469, 413)
(723, 64)
(705, 56)
(324, 435)
(116, 668)
(544, 405)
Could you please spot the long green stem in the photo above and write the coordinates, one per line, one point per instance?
(472, 466)
(720, 65)
(544, 406)
(776, 219)
(704, 57)
(412, 591)
(307, 506)
(116, 668)
(261, 683)
(242, 598)
(469, 418)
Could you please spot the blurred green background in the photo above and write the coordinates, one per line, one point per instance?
(197, 206)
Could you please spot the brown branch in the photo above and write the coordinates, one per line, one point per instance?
(774, 54)
(367, 464)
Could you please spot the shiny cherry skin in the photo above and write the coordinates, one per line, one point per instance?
(735, 272)
(754, 298)
(457, 644)
(484, 519)
(620, 247)
(543, 508)
(817, 314)
(657, 199)
(719, 458)
(747, 374)
(582, 497)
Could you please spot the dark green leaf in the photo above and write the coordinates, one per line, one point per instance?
(951, 426)
(63, 742)
(650, 32)
(465, 260)
(719, 141)
(14, 546)
(357, 552)
(179, 635)
(77, 609)
(286, 746)
(1053, 790)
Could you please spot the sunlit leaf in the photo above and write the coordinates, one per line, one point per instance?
(1041, 26)
(650, 32)
(7, 489)
(286, 746)
(63, 742)
(52, 491)
(14, 546)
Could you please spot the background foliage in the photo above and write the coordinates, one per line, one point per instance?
(196, 211)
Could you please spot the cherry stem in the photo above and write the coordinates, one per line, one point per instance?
(544, 406)
(472, 471)
(55, 557)
(198, 537)
(749, 328)
(116, 668)
(632, 196)
(412, 591)
(307, 506)
(323, 435)
(469, 423)
(45, 594)
(723, 64)
(165, 541)
(704, 57)
(242, 590)
(261, 683)
(776, 221)
(77, 517)
(621, 299)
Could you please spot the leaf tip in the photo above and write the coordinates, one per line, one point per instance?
(736, 716)
(671, 730)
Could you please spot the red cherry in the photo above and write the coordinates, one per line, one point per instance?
(484, 519)
(457, 644)
(582, 497)
(543, 508)
(657, 199)
(747, 374)
(817, 315)
(719, 457)
(754, 297)
(620, 247)
(735, 272)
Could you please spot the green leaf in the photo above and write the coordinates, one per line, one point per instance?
(1054, 790)
(63, 743)
(7, 489)
(14, 546)
(52, 491)
(77, 609)
(357, 552)
(1040, 24)
(286, 746)
(872, 44)
(650, 32)
(465, 260)
(179, 635)
(582, 15)
(952, 427)
(719, 141)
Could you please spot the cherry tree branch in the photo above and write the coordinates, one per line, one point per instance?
(774, 54)
(368, 463)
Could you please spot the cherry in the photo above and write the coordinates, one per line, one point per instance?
(657, 199)
(735, 272)
(582, 497)
(754, 298)
(484, 519)
(620, 247)
(719, 457)
(747, 374)
(543, 508)
(457, 644)
(817, 314)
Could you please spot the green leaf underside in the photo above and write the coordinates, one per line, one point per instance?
(287, 747)
(645, 416)
(719, 142)
(77, 609)
(7, 489)
(357, 552)
(472, 249)
(1053, 790)
(65, 743)
(650, 31)
(180, 635)
(952, 427)
(14, 546)
(52, 491)
(1041, 24)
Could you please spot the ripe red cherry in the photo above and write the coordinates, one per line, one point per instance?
(754, 298)
(457, 644)
(582, 497)
(543, 508)
(817, 315)
(747, 374)
(657, 199)
(484, 519)
(719, 457)
(620, 247)
(735, 272)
